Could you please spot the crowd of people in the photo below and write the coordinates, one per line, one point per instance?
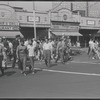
(20, 50)
(93, 50)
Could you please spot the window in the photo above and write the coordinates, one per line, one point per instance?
(65, 17)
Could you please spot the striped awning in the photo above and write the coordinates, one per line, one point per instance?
(67, 33)
(10, 34)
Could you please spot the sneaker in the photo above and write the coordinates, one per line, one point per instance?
(24, 74)
(2, 72)
(93, 58)
(33, 72)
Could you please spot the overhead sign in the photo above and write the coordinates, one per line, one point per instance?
(64, 26)
(9, 28)
(31, 19)
(9, 23)
(90, 22)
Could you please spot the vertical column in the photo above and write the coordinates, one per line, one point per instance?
(77, 38)
(49, 35)
(34, 20)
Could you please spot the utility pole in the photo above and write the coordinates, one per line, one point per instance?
(87, 8)
(34, 19)
(71, 6)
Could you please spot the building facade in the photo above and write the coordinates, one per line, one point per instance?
(15, 20)
(86, 8)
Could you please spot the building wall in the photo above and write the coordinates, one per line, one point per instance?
(64, 15)
(93, 7)
(90, 23)
(27, 17)
(8, 19)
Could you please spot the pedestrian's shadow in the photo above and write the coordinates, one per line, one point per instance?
(35, 71)
(9, 73)
(52, 65)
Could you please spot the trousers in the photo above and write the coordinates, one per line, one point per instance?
(47, 57)
(22, 63)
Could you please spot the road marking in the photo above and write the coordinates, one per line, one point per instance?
(85, 62)
(67, 72)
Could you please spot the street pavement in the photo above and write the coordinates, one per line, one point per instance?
(79, 78)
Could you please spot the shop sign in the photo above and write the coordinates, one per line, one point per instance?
(9, 23)
(64, 26)
(90, 22)
(9, 28)
(31, 19)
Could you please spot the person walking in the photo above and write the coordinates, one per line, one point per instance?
(91, 50)
(96, 50)
(47, 52)
(35, 45)
(7, 50)
(22, 56)
(59, 54)
(2, 55)
(10, 50)
(15, 45)
(31, 54)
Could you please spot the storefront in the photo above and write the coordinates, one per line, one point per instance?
(69, 29)
(9, 25)
(63, 22)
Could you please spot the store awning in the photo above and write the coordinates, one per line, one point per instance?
(67, 33)
(10, 34)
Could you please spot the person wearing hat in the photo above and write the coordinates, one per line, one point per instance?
(60, 50)
(15, 45)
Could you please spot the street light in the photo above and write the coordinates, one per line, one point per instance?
(34, 19)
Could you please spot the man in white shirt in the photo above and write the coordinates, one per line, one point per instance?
(47, 52)
(34, 42)
(91, 48)
(35, 45)
(31, 54)
(26, 42)
(51, 46)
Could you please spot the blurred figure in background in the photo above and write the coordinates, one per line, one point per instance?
(58, 50)
(15, 45)
(10, 50)
(2, 56)
(7, 49)
(34, 44)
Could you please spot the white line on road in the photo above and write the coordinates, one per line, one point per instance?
(85, 62)
(67, 72)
